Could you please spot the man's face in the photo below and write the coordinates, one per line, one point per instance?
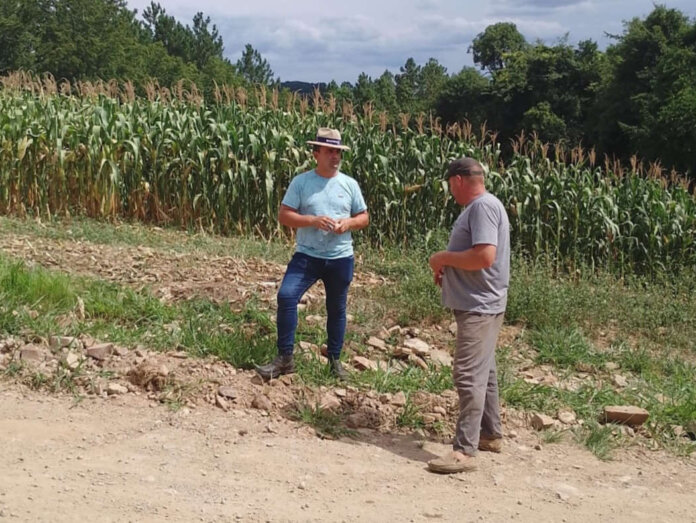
(458, 186)
(328, 158)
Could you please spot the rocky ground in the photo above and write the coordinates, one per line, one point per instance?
(96, 430)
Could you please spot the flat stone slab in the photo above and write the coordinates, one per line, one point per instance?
(629, 415)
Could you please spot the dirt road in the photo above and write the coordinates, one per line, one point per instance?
(125, 459)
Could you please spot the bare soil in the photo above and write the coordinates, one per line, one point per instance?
(126, 459)
(171, 451)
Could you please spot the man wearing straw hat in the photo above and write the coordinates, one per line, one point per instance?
(324, 205)
(474, 273)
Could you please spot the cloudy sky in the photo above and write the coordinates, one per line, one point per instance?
(320, 40)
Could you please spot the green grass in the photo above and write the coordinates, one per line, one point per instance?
(583, 319)
(327, 424)
(599, 439)
(563, 347)
(35, 299)
(410, 417)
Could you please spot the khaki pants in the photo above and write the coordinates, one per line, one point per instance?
(475, 379)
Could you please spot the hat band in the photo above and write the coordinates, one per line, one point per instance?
(331, 141)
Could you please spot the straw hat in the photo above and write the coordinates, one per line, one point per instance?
(328, 138)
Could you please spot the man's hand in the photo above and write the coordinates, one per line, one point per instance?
(437, 266)
(325, 223)
(438, 277)
(342, 225)
(436, 262)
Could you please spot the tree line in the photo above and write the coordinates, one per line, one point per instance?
(638, 97)
(103, 39)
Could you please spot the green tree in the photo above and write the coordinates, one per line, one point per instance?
(364, 90)
(407, 86)
(646, 105)
(253, 67)
(465, 96)
(433, 77)
(385, 93)
(491, 47)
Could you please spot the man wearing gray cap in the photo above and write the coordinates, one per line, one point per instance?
(324, 205)
(474, 273)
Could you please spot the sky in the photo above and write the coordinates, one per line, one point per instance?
(320, 40)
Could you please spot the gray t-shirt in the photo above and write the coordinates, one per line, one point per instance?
(483, 221)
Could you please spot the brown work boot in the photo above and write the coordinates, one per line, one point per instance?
(491, 445)
(282, 364)
(337, 370)
(452, 463)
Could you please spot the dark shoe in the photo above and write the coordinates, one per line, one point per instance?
(337, 370)
(282, 364)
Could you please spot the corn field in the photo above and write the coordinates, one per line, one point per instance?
(224, 167)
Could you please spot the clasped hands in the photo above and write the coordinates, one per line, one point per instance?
(326, 223)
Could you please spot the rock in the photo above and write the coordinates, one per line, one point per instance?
(362, 363)
(566, 417)
(441, 358)
(361, 419)
(100, 351)
(439, 410)
(227, 392)
(31, 352)
(120, 351)
(619, 380)
(611, 365)
(418, 362)
(429, 419)
(628, 431)
(220, 402)
(399, 399)
(306, 346)
(262, 402)
(113, 389)
(581, 366)
(630, 415)
(418, 346)
(377, 343)
(341, 393)
(329, 402)
(148, 375)
(401, 352)
(453, 328)
(394, 329)
(287, 379)
(678, 431)
(59, 342)
(690, 429)
(541, 421)
(314, 319)
(71, 360)
(564, 492)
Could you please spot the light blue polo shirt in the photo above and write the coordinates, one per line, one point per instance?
(336, 197)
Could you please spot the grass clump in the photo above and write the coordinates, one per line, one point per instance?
(326, 423)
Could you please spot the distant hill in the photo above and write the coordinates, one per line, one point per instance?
(303, 87)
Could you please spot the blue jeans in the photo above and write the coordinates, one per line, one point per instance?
(304, 271)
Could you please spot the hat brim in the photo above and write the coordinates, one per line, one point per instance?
(331, 146)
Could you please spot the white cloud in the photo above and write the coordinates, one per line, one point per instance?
(316, 41)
